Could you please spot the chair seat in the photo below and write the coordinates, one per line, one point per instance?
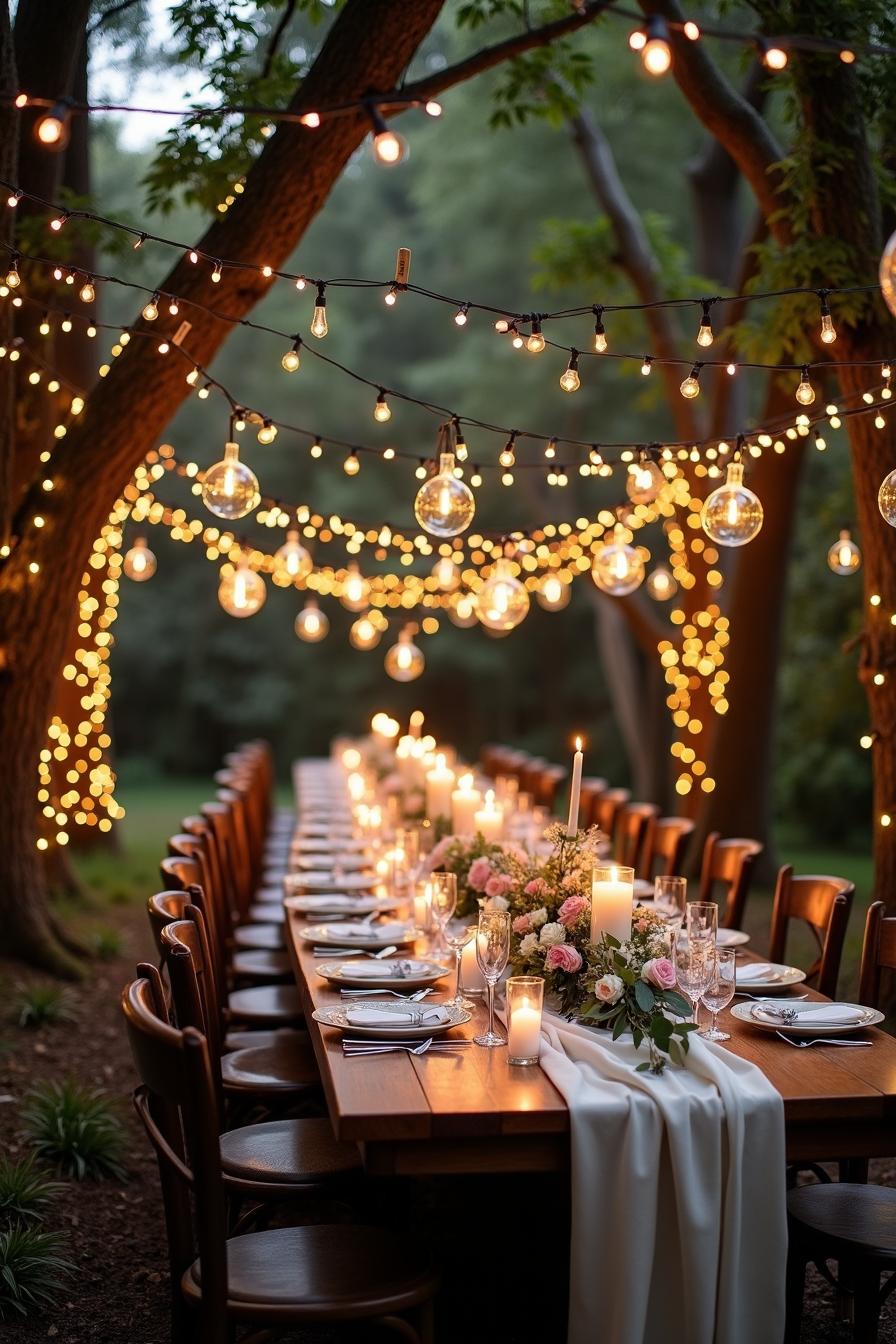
(259, 935)
(322, 1273)
(264, 964)
(281, 1067)
(848, 1219)
(266, 1004)
(290, 1152)
(267, 912)
(249, 1040)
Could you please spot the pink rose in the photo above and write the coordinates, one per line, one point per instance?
(572, 908)
(537, 887)
(522, 924)
(609, 989)
(494, 886)
(563, 957)
(479, 874)
(659, 972)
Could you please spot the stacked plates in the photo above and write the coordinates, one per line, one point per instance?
(405, 1020)
(808, 1019)
(367, 936)
(392, 973)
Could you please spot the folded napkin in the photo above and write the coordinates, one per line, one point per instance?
(758, 970)
(372, 969)
(400, 1017)
(334, 902)
(365, 931)
(822, 1014)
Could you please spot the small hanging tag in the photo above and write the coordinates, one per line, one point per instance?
(182, 333)
(403, 266)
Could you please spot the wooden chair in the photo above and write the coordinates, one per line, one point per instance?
(548, 785)
(667, 841)
(728, 864)
(854, 1225)
(822, 903)
(279, 1278)
(530, 775)
(607, 808)
(878, 953)
(632, 826)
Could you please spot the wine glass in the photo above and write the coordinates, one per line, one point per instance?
(443, 902)
(671, 896)
(702, 919)
(719, 992)
(457, 935)
(492, 951)
(693, 967)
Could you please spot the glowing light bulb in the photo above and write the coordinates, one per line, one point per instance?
(352, 465)
(355, 590)
(828, 333)
(382, 411)
(774, 56)
(312, 624)
(310, 119)
(644, 481)
(151, 309)
(13, 279)
(139, 563)
(660, 584)
(460, 317)
(732, 514)
(230, 488)
(404, 661)
(690, 387)
(267, 433)
(319, 327)
(432, 108)
(363, 634)
(569, 379)
(242, 591)
(656, 54)
(886, 498)
(292, 557)
(553, 593)
(536, 342)
(444, 506)
(291, 361)
(87, 292)
(646, 365)
(805, 392)
(705, 335)
(446, 574)
(462, 611)
(617, 567)
(601, 344)
(502, 601)
(389, 148)
(52, 129)
(844, 557)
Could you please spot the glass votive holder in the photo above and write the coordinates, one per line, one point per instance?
(423, 906)
(525, 1000)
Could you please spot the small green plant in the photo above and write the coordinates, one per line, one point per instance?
(31, 1267)
(25, 1192)
(39, 1005)
(77, 1129)
(107, 944)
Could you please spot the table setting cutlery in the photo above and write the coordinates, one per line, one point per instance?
(353, 952)
(417, 995)
(354, 1049)
(387, 1020)
(763, 998)
(820, 1040)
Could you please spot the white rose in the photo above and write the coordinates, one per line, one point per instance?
(497, 903)
(538, 917)
(609, 989)
(552, 934)
(529, 945)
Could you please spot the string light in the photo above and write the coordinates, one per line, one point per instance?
(267, 433)
(242, 591)
(13, 279)
(460, 317)
(886, 498)
(805, 392)
(364, 634)
(553, 593)
(87, 292)
(844, 557)
(617, 567)
(656, 54)
(53, 128)
(536, 342)
(139, 563)
(444, 506)
(732, 514)
(646, 365)
(502, 602)
(404, 661)
(351, 466)
(319, 327)
(644, 480)
(569, 379)
(705, 333)
(356, 591)
(382, 411)
(446, 574)
(292, 557)
(230, 488)
(772, 54)
(828, 334)
(601, 344)
(690, 387)
(291, 360)
(389, 148)
(151, 309)
(312, 624)
(660, 584)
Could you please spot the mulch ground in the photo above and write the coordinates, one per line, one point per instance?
(119, 1291)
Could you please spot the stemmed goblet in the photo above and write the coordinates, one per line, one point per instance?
(694, 959)
(719, 992)
(443, 902)
(457, 935)
(492, 951)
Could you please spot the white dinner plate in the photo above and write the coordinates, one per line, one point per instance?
(744, 1012)
(338, 903)
(417, 975)
(732, 938)
(642, 891)
(324, 845)
(325, 863)
(778, 978)
(337, 1017)
(322, 881)
(334, 935)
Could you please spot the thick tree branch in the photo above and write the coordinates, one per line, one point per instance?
(728, 116)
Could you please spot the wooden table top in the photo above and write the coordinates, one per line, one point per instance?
(472, 1111)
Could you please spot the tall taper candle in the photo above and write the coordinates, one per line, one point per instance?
(575, 790)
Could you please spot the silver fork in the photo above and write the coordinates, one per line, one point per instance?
(420, 1049)
(765, 998)
(396, 994)
(820, 1040)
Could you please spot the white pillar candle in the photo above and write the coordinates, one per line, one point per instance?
(575, 790)
(415, 726)
(612, 896)
(489, 820)
(524, 1031)
(465, 802)
(404, 759)
(471, 978)
(439, 786)
(423, 906)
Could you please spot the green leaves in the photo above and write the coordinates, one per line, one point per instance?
(30, 1270)
(77, 1129)
(644, 996)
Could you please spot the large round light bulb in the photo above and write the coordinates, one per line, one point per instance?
(364, 634)
(241, 591)
(502, 601)
(553, 593)
(660, 584)
(887, 273)
(644, 481)
(291, 559)
(355, 590)
(230, 488)
(139, 564)
(732, 514)
(463, 610)
(404, 661)
(844, 557)
(311, 623)
(886, 498)
(617, 568)
(446, 574)
(444, 506)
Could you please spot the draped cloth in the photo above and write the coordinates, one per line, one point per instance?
(679, 1228)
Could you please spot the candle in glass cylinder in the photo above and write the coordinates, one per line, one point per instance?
(575, 789)
(439, 787)
(471, 978)
(489, 820)
(423, 906)
(525, 996)
(612, 895)
(465, 802)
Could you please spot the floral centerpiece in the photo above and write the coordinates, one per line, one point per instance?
(487, 872)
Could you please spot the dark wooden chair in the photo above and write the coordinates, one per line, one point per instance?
(607, 808)
(854, 1225)
(550, 779)
(592, 788)
(823, 904)
(279, 1278)
(664, 851)
(725, 875)
(632, 827)
(878, 953)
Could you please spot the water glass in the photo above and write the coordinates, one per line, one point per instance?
(423, 907)
(525, 1000)
(492, 952)
(694, 960)
(443, 902)
(457, 935)
(671, 895)
(702, 918)
(719, 992)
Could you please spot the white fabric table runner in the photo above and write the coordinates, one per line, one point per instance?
(679, 1228)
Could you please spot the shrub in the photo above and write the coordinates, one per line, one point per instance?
(30, 1269)
(24, 1191)
(40, 1004)
(76, 1128)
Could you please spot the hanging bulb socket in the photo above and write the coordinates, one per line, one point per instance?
(389, 148)
(53, 128)
(705, 335)
(536, 342)
(772, 53)
(382, 410)
(507, 456)
(656, 54)
(646, 365)
(805, 392)
(690, 387)
(600, 336)
(319, 327)
(828, 332)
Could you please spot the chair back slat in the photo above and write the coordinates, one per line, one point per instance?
(667, 841)
(607, 808)
(725, 875)
(632, 827)
(822, 903)
(878, 953)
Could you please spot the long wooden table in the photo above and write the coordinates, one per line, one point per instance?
(474, 1112)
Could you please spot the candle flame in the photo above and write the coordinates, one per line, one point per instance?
(465, 782)
(440, 762)
(489, 798)
(614, 873)
(578, 744)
